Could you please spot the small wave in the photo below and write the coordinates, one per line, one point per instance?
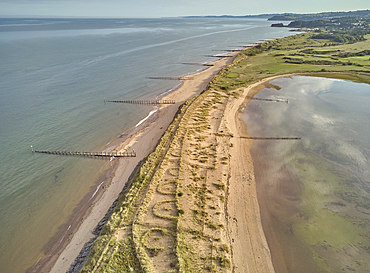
(144, 119)
(96, 190)
(169, 91)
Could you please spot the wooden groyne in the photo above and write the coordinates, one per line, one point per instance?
(152, 102)
(228, 50)
(171, 78)
(200, 64)
(215, 56)
(260, 138)
(90, 154)
(286, 101)
(272, 138)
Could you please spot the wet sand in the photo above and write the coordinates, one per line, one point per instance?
(267, 211)
(249, 246)
(251, 241)
(250, 249)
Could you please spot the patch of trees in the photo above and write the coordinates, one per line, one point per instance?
(309, 24)
(343, 23)
(258, 49)
(353, 54)
(342, 37)
(316, 62)
(311, 51)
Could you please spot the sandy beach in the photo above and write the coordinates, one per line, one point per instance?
(73, 240)
(251, 252)
(249, 246)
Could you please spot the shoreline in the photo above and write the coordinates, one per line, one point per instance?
(150, 131)
(248, 242)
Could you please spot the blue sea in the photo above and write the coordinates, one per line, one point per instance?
(54, 76)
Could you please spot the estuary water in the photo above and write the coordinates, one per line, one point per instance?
(314, 193)
(54, 76)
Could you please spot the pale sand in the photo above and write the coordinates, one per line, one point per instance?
(143, 143)
(249, 246)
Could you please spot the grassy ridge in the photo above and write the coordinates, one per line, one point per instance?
(99, 258)
(292, 55)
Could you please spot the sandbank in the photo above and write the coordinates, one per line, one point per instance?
(251, 251)
(248, 243)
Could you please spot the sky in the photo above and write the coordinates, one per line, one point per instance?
(169, 8)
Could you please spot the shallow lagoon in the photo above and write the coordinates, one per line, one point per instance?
(314, 193)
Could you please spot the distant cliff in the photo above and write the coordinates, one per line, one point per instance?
(320, 16)
(261, 16)
(295, 17)
(278, 25)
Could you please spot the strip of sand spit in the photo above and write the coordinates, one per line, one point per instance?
(73, 241)
(248, 242)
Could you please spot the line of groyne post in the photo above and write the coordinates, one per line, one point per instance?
(272, 138)
(200, 64)
(273, 100)
(243, 46)
(90, 154)
(228, 50)
(151, 102)
(170, 78)
(260, 137)
(222, 56)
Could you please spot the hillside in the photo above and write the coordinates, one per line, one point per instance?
(320, 16)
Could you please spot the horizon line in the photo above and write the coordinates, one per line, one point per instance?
(159, 17)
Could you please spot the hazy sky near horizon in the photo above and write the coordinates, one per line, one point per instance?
(169, 8)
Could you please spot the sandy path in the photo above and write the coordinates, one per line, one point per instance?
(150, 136)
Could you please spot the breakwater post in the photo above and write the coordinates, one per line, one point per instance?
(154, 102)
(90, 154)
(272, 138)
(222, 56)
(277, 100)
(227, 50)
(172, 78)
(200, 64)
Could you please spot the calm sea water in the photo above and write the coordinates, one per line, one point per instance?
(314, 193)
(54, 75)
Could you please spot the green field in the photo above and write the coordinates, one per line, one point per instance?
(291, 55)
